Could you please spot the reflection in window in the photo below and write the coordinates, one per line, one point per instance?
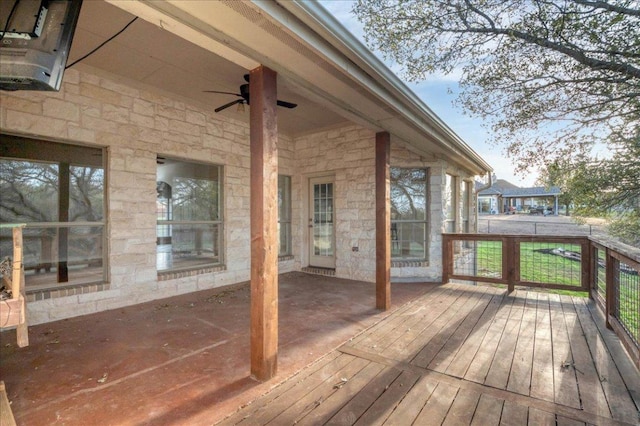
(450, 199)
(284, 215)
(409, 217)
(57, 190)
(189, 215)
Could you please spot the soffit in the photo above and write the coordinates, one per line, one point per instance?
(154, 56)
(226, 39)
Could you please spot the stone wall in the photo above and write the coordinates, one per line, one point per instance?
(136, 124)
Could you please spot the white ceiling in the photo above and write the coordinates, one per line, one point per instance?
(148, 54)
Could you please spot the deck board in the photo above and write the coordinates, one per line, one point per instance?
(411, 405)
(519, 380)
(542, 378)
(564, 373)
(497, 373)
(462, 355)
(470, 345)
(332, 404)
(514, 414)
(620, 403)
(591, 391)
(463, 408)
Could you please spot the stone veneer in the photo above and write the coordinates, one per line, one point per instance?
(136, 123)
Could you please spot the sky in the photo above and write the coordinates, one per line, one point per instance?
(439, 92)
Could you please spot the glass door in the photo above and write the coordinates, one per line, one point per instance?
(321, 223)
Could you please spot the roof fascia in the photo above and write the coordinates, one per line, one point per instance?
(384, 81)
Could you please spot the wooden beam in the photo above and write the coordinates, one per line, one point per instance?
(383, 221)
(264, 224)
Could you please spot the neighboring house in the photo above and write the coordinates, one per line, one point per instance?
(133, 189)
(503, 197)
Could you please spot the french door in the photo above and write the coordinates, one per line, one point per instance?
(322, 222)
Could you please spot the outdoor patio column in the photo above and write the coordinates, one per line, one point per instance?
(264, 223)
(383, 222)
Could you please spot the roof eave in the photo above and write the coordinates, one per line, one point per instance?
(414, 111)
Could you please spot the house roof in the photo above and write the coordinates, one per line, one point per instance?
(186, 48)
(531, 192)
(538, 191)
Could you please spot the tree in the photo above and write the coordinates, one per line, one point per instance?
(553, 78)
(606, 187)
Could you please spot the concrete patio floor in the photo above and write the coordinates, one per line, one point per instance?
(182, 360)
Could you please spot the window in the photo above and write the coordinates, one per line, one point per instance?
(284, 215)
(409, 217)
(466, 195)
(57, 190)
(450, 203)
(189, 215)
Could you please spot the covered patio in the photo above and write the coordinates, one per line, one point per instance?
(453, 353)
(180, 360)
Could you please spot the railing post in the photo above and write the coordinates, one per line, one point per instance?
(585, 264)
(447, 258)
(610, 286)
(509, 259)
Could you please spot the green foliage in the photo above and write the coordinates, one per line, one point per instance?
(552, 78)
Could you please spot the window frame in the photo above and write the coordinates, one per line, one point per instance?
(68, 156)
(396, 242)
(216, 223)
(284, 224)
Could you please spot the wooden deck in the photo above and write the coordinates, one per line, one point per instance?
(466, 355)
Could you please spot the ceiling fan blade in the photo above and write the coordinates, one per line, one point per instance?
(222, 93)
(225, 106)
(286, 104)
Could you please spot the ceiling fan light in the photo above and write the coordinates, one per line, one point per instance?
(240, 107)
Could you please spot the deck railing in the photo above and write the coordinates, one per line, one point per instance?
(608, 271)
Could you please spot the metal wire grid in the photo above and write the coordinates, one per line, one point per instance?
(551, 263)
(479, 258)
(601, 273)
(628, 299)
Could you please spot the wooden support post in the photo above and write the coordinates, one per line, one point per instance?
(383, 221)
(264, 224)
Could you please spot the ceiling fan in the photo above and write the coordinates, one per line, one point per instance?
(244, 97)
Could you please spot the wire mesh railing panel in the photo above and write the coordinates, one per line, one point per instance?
(627, 303)
(551, 263)
(600, 272)
(478, 259)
